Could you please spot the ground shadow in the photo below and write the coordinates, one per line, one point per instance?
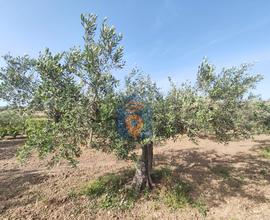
(219, 176)
(14, 186)
(15, 183)
(8, 148)
(260, 145)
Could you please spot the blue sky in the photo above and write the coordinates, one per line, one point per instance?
(162, 37)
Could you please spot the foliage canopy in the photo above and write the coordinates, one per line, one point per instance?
(80, 95)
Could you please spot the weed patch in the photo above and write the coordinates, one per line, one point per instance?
(178, 196)
(113, 191)
(266, 152)
(110, 191)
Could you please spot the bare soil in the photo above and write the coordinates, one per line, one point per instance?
(33, 191)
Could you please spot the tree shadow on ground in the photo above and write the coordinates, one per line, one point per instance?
(14, 187)
(260, 145)
(216, 176)
(15, 183)
(8, 148)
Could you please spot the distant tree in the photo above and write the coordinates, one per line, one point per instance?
(18, 82)
(257, 113)
(226, 95)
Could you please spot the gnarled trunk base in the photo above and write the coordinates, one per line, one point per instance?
(142, 178)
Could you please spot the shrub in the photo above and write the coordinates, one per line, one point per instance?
(266, 152)
(11, 123)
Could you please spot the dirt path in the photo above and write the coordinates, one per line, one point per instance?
(233, 180)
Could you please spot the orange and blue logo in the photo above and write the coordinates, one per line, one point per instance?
(134, 119)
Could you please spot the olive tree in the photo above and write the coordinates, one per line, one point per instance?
(83, 103)
(148, 96)
(18, 82)
(77, 92)
(226, 96)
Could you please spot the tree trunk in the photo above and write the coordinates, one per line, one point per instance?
(89, 142)
(142, 178)
(56, 116)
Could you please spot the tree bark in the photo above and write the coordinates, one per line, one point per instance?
(142, 178)
(56, 116)
(89, 143)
